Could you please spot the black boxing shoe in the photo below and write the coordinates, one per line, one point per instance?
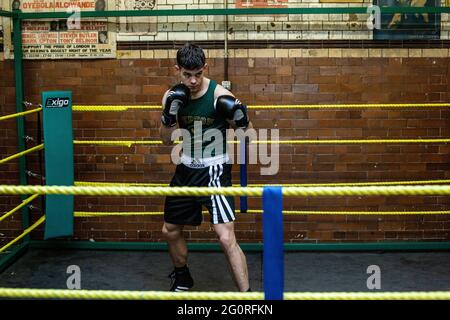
(181, 280)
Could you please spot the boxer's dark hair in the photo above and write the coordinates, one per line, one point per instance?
(190, 57)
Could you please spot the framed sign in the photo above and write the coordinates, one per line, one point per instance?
(401, 26)
(63, 38)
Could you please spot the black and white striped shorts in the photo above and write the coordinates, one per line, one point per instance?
(187, 210)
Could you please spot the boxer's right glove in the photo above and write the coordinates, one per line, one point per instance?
(177, 97)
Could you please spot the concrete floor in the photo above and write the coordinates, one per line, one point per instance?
(304, 271)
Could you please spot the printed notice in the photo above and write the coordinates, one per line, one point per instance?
(64, 38)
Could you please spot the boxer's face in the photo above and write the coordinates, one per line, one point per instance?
(193, 79)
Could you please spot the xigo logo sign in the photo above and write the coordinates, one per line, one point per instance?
(57, 102)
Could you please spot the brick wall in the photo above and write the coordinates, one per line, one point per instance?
(256, 81)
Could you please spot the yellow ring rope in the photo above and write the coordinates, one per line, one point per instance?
(125, 184)
(161, 295)
(24, 203)
(20, 114)
(129, 143)
(360, 212)
(20, 154)
(100, 108)
(115, 108)
(117, 142)
(90, 214)
(24, 233)
(227, 191)
(352, 106)
(412, 295)
(378, 183)
(351, 141)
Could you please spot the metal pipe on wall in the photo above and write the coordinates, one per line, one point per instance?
(225, 64)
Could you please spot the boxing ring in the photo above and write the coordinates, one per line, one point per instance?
(276, 247)
(273, 250)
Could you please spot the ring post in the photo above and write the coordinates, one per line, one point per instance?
(58, 140)
(21, 144)
(243, 173)
(273, 255)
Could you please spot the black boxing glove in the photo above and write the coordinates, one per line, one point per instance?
(230, 108)
(177, 97)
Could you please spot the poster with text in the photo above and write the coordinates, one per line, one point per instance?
(261, 3)
(70, 38)
(341, 1)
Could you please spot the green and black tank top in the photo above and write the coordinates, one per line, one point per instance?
(207, 132)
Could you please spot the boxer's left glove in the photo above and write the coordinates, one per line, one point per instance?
(177, 97)
(230, 108)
